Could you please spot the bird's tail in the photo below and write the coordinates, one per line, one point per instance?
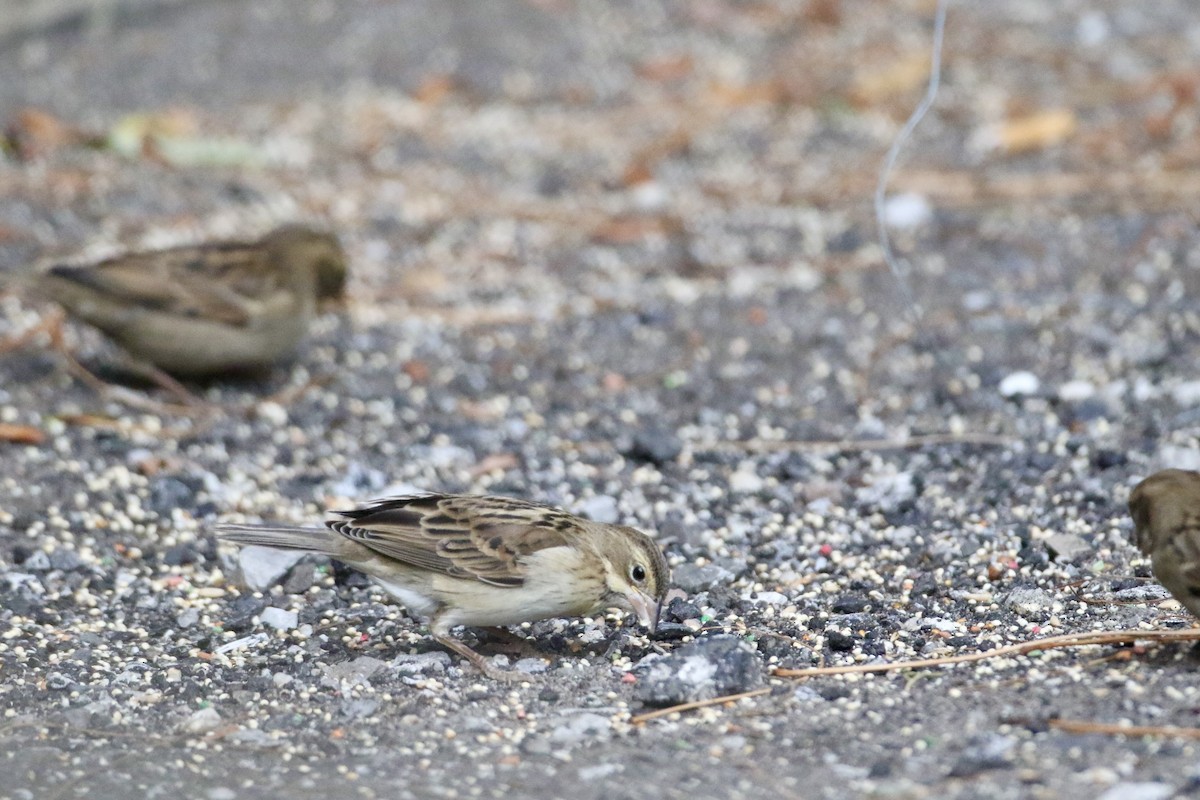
(312, 540)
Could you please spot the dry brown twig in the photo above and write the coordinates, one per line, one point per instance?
(1022, 648)
(695, 704)
(1118, 729)
(926, 440)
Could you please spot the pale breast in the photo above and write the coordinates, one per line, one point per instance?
(560, 582)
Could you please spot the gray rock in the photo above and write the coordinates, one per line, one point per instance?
(707, 668)
(300, 579)
(187, 618)
(1147, 593)
(655, 445)
(531, 666)
(579, 727)
(536, 746)
(357, 707)
(357, 671)
(279, 618)
(432, 663)
(601, 508)
(23, 581)
(65, 560)
(598, 771)
(692, 579)
(887, 490)
(38, 561)
(1067, 546)
(986, 752)
(168, 493)
(1146, 790)
(263, 567)
(202, 721)
(1028, 601)
(807, 694)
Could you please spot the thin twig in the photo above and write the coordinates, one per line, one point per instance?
(1049, 643)
(692, 706)
(1083, 726)
(849, 445)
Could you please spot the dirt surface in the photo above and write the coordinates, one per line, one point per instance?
(618, 258)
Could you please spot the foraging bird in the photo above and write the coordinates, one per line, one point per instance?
(1166, 520)
(484, 561)
(204, 309)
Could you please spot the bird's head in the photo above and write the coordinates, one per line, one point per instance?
(636, 574)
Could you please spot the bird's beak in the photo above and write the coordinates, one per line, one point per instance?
(646, 608)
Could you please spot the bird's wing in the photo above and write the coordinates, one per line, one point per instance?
(473, 537)
(224, 283)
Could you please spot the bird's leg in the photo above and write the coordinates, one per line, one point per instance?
(54, 327)
(480, 663)
(144, 369)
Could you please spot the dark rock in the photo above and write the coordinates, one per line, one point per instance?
(168, 493)
(242, 612)
(655, 445)
(983, 753)
(21, 554)
(181, 554)
(1067, 547)
(839, 641)
(691, 578)
(707, 668)
(680, 610)
(849, 604)
(300, 579)
(834, 691)
(672, 632)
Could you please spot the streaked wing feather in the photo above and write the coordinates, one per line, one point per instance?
(478, 538)
(217, 282)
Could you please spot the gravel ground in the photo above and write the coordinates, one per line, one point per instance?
(619, 259)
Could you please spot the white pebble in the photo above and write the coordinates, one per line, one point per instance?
(906, 211)
(202, 721)
(1186, 394)
(1076, 391)
(273, 413)
(279, 618)
(745, 479)
(1019, 383)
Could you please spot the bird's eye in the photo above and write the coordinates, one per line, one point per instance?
(638, 573)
